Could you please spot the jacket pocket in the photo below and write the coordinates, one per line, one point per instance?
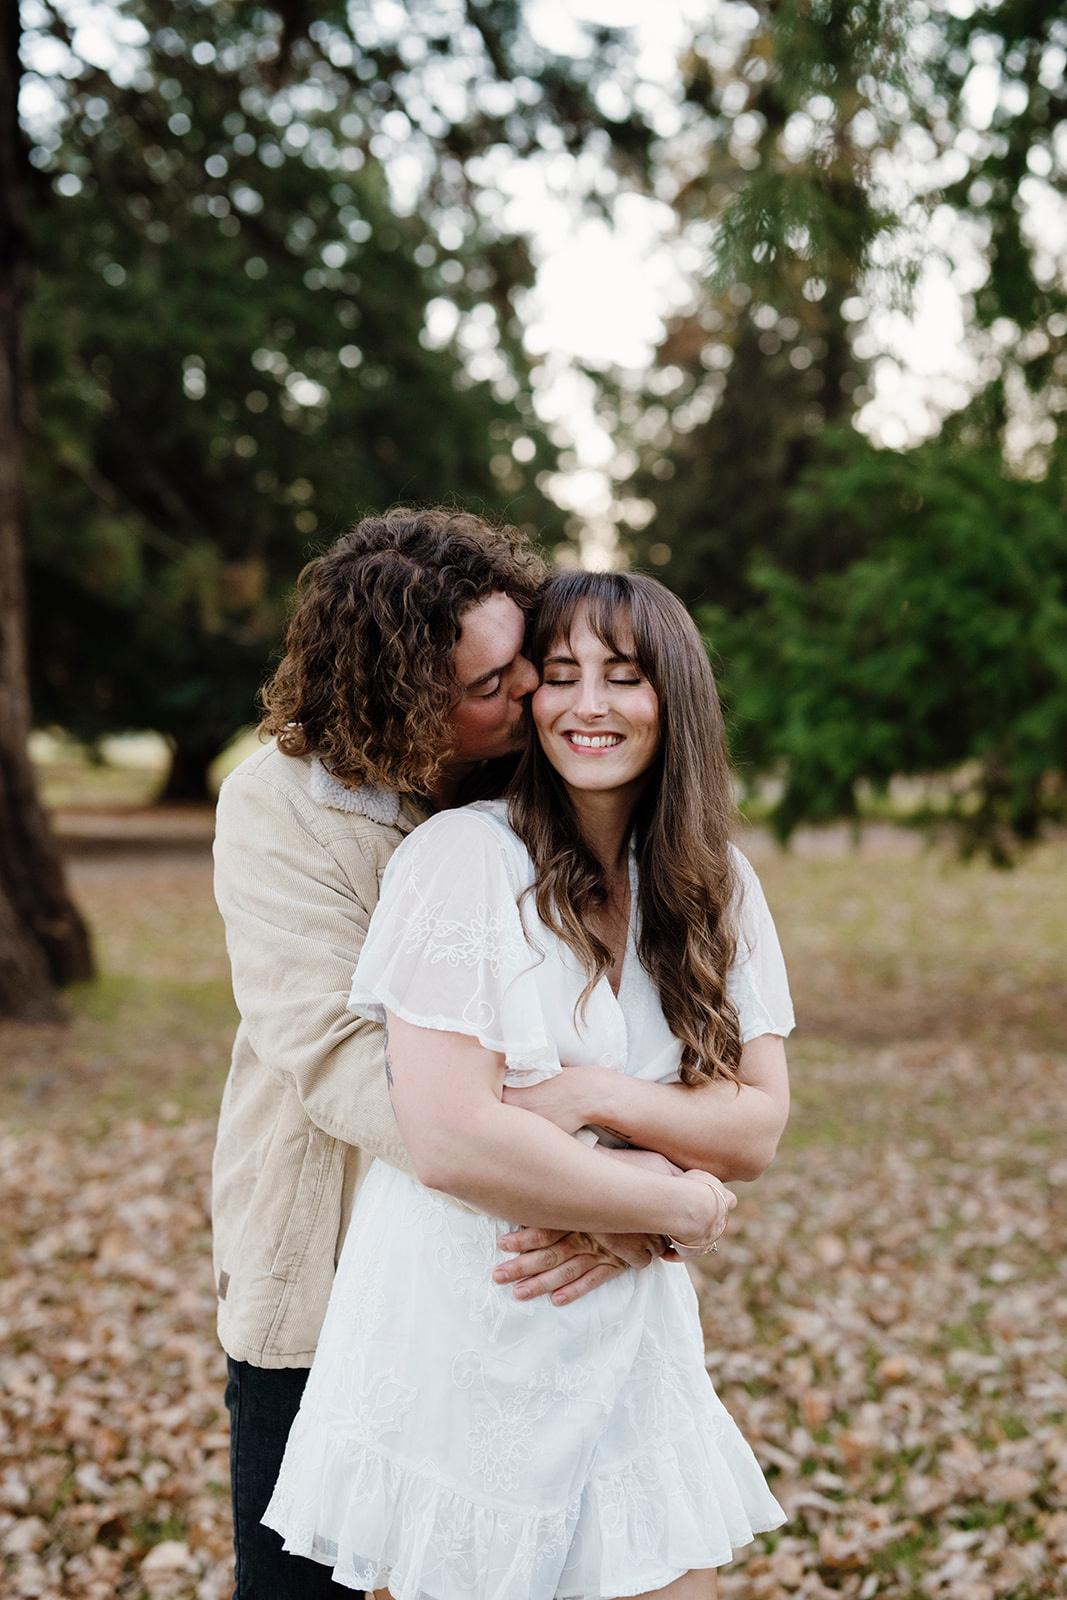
(299, 1227)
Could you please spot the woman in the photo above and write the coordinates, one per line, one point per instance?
(456, 1442)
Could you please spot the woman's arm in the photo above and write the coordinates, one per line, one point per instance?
(730, 1131)
(463, 1139)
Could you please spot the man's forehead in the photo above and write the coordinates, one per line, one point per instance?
(491, 634)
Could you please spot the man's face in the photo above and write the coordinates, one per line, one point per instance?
(495, 678)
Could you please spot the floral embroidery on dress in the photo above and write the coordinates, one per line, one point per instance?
(447, 949)
(486, 939)
(501, 1440)
(468, 1260)
(630, 1504)
(365, 1408)
(362, 1299)
(555, 1451)
(490, 937)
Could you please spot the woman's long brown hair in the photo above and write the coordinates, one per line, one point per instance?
(687, 885)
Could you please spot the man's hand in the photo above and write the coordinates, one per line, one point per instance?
(569, 1265)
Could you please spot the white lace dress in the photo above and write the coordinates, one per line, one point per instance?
(457, 1444)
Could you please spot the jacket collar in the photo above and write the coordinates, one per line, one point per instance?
(364, 800)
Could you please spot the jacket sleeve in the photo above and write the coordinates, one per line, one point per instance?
(295, 925)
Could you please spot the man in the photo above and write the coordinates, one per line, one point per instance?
(403, 678)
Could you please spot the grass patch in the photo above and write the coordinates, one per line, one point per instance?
(151, 1531)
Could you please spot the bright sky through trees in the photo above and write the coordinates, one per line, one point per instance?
(604, 287)
(602, 292)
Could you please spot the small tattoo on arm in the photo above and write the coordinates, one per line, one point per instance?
(388, 1064)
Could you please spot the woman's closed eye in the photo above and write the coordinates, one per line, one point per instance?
(621, 683)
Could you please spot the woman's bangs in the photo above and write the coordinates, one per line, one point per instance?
(605, 602)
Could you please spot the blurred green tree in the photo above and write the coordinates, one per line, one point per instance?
(999, 116)
(787, 109)
(274, 289)
(941, 652)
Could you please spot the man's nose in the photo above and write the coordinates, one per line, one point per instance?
(524, 680)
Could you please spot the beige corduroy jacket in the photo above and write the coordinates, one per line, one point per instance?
(298, 863)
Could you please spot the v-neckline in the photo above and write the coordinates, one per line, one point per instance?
(631, 868)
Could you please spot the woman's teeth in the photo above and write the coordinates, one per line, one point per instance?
(594, 741)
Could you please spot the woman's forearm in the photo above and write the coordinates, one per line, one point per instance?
(521, 1167)
(462, 1138)
(732, 1131)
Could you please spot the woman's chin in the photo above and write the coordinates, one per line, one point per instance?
(586, 780)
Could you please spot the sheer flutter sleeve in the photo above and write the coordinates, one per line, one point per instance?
(446, 948)
(757, 981)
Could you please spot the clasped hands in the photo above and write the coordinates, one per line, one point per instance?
(565, 1265)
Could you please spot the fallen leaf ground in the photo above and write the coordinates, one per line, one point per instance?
(886, 1323)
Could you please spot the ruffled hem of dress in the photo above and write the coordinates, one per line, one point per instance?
(527, 1063)
(682, 1507)
(381, 1524)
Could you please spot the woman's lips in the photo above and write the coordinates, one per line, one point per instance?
(593, 744)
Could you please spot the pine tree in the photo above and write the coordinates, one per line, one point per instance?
(245, 334)
(1007, 193)
(785, 107)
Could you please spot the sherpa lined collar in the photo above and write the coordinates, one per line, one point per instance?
(365, 800)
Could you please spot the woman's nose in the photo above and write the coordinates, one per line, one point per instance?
(590, 700)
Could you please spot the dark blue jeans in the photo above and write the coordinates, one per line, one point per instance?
(262, 1403)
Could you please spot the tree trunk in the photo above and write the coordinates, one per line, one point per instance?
(837, 404)
(43, 940)
(187, 781)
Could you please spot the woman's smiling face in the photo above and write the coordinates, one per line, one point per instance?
(596, 714)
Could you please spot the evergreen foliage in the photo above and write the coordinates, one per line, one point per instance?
(878, 613)
(943, 650)
(1011, 171)
(788, 106)
(244, 335)
(277, 286)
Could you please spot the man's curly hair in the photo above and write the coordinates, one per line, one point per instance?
(367, 682)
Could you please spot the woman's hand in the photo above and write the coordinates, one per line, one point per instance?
(564, 1099)
(724, 1201)
(712, 1215)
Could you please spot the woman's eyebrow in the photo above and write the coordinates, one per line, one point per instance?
(569, 661)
